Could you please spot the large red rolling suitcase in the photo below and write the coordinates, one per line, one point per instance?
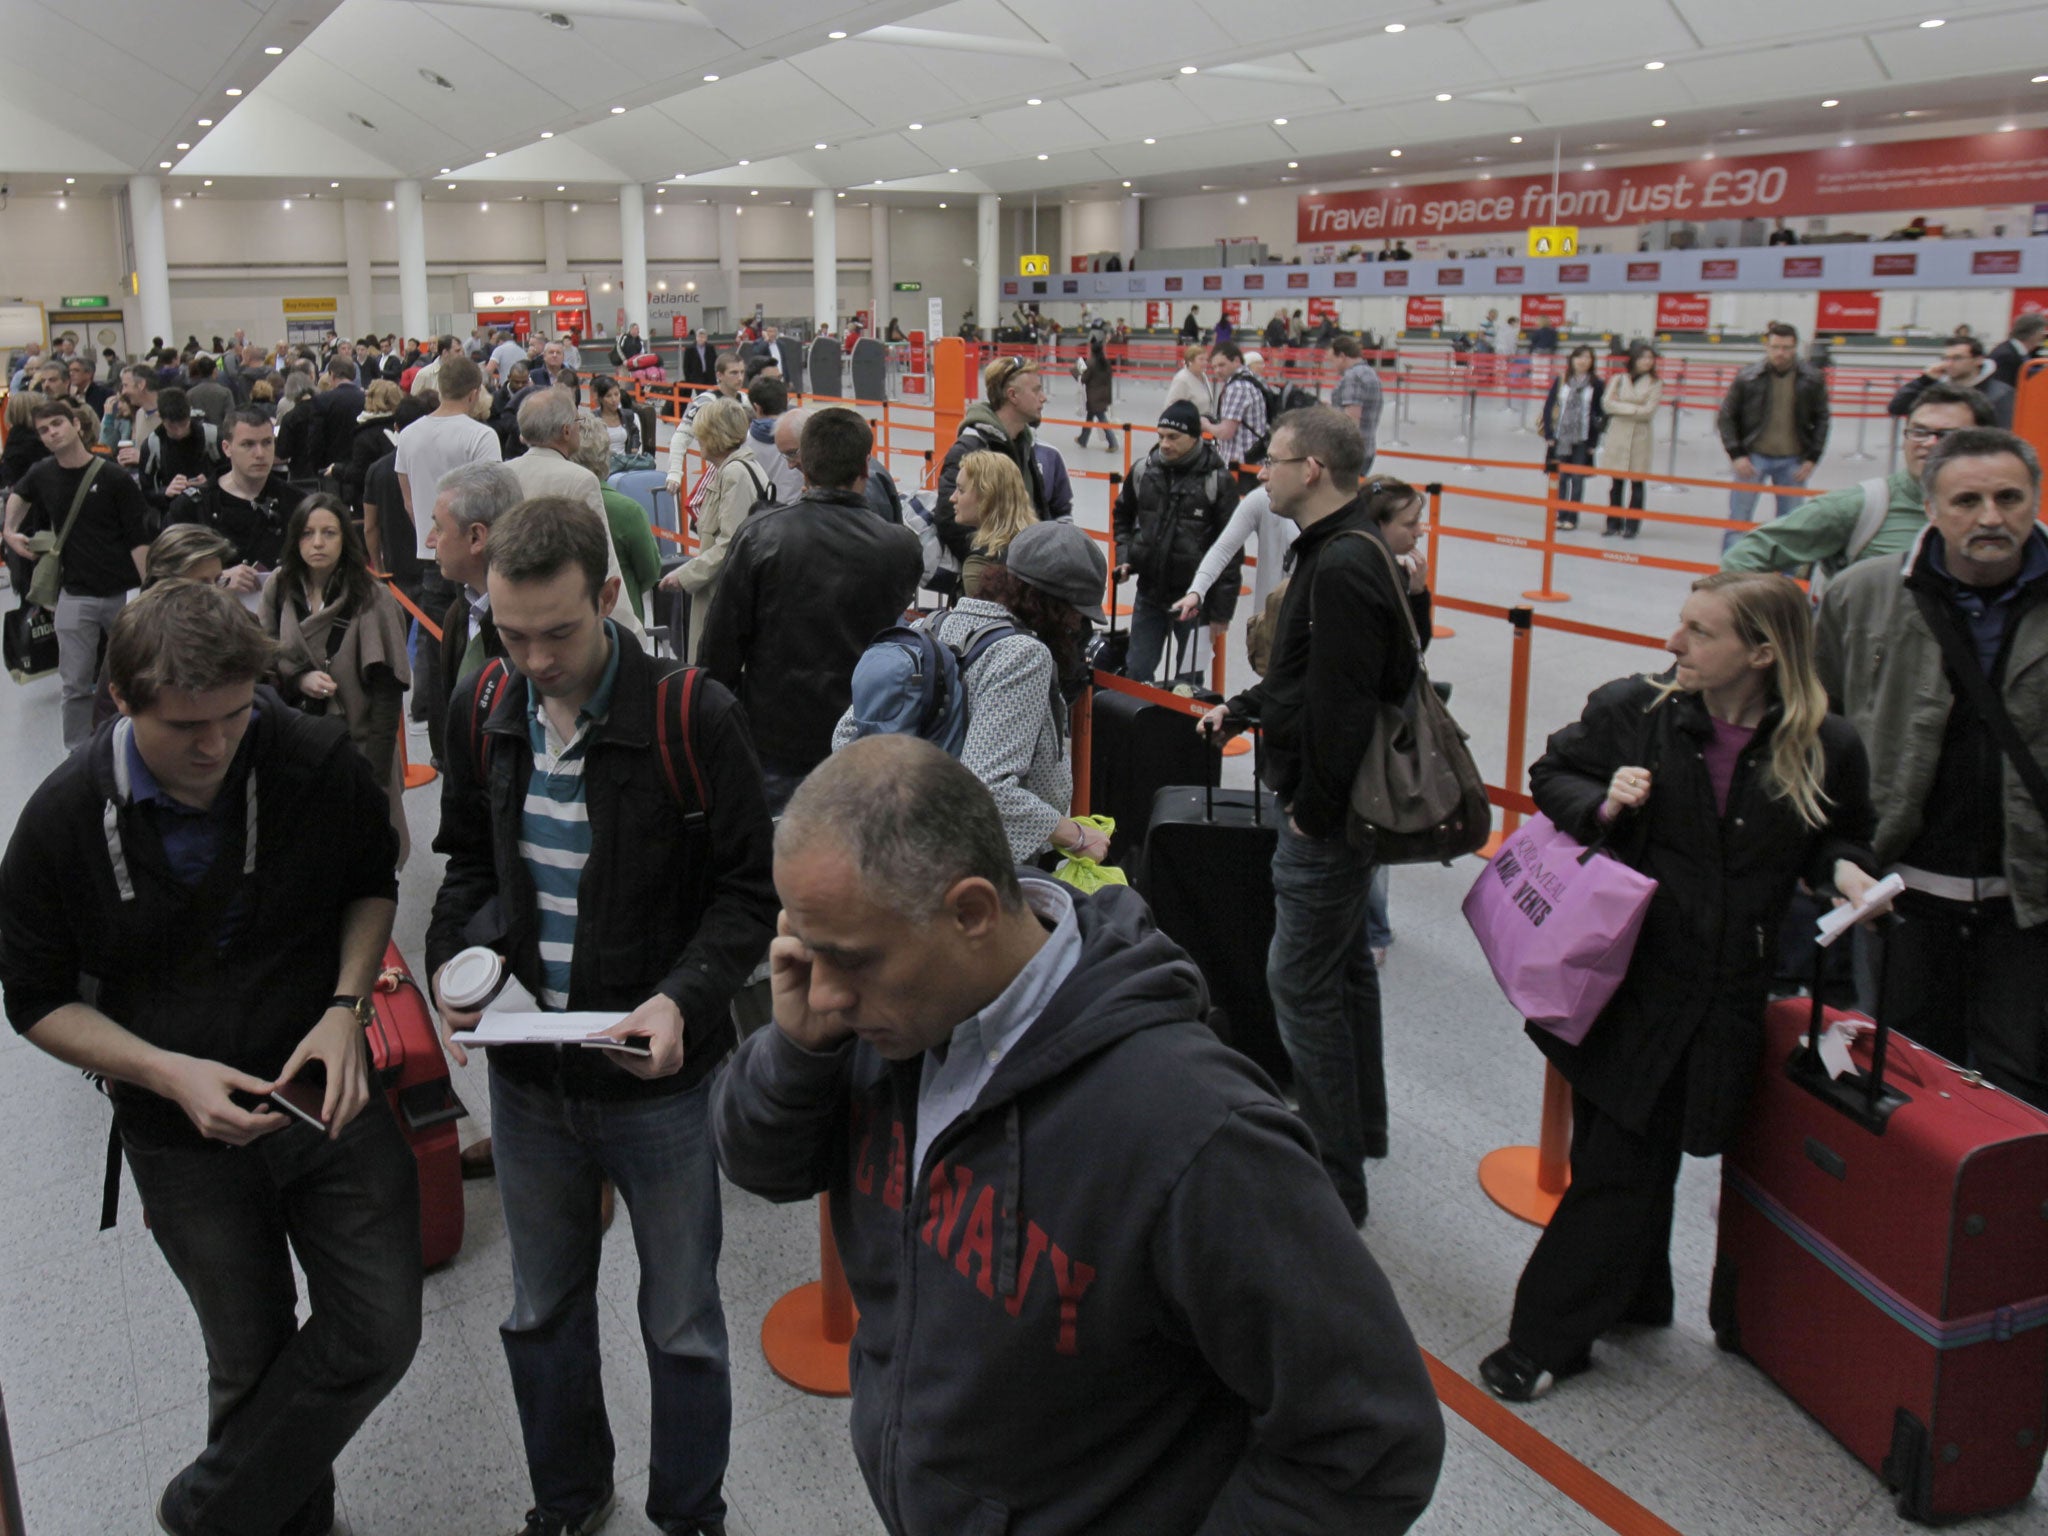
(1883, 1257)
(405, 1053)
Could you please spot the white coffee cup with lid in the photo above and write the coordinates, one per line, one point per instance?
(478, 978)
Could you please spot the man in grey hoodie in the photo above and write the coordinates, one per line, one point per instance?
(1104, 1285)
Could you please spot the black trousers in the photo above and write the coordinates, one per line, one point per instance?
(1634, 489)
(1966, 980)
(1606, 1255)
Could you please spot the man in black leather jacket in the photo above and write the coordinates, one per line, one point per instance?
(806, 587)
(1173, 507)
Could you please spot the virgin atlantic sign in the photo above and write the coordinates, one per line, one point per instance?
(1971, 171)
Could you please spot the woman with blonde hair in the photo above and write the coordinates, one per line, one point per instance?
(1728, 781)
(991, 499)
(1192, 383)
(730, 487)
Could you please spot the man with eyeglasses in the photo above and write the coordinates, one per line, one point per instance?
(1964, 365)
(1876, 518)
(1937, 660)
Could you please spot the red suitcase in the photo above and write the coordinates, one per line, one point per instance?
(405, 1053)
(1883, 1257)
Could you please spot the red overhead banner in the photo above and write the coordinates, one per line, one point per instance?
(1682, 311)
(1851, 309)
(1905, 174)
(1424, 313)
(1322, 309)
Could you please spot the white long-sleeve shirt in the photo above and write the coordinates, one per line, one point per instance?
(1276, 535)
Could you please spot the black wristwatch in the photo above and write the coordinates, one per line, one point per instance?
(359, 1006)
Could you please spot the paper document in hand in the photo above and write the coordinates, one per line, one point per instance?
(1839, 920)
(546, 1029)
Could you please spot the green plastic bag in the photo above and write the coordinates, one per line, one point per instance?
(1085, 874)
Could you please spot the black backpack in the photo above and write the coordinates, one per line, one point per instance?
(1280, 398)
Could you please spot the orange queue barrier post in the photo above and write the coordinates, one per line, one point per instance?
(806, 1334)
(414, 775)
(1548, 593)
(1435, 489)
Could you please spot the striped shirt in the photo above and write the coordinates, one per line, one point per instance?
(554, 826)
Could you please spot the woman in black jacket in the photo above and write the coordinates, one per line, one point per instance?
(1573, 419)
(376, 434)
(1097, 379)
(1735, 783)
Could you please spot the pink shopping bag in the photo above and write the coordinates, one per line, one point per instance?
(1557, 922)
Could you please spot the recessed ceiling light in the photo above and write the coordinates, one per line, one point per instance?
(1932, 22)
(1279, 122)
(1654, 64)
(1831, 102)
(915, 127)
(1151, 141)
(233, 90)
(1848, 143)
(1397, 26)
(839, 194)
(287, 205)
(657, 207)
(1127, 183)
(835, 36)
(2007, 127)
(1585, 165)
(273, 50)
(62, 205)
(952, 170)
(1045, 157)
(821, 146)
(942, 205)
(1187, 69)
(483, 207)
(177, 202)
(618, 111)
(1242, 200)
(207, 122)
(575, 207)
(334, 186)
(72, 181)
(1395, 153)
(446, 169)
(755, 193)
(184, 146)
(389, 205)
(1443, 95)
(711, 79)
(451, 186)
(746, 162)
(561, 189)
(490, 154)
(662, 286)
(1033, 101)
(163, 165)
(1657, 122)
(2039, 80)
(207, 183)
(1514, 138)
(1294, 165)
(442, 81)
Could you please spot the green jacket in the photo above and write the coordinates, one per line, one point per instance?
(1819, 532)
(1882, 667)
(639, 558)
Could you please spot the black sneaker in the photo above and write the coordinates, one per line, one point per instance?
(587, 1524)
(1515, 1378)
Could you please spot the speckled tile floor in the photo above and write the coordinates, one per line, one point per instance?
(104, 1375)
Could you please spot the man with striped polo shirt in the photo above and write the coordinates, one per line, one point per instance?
(605, 829)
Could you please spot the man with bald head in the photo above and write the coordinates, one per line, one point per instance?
(959, 1049)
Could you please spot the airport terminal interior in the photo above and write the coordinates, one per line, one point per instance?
(1035, 175)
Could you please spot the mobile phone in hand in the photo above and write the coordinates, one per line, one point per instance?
(305, 1095)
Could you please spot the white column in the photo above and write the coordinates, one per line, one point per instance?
(554, 235)
(987, 256)
(1133, 206)
(878, 263)
(729, 261)
(355, 246)
(152, 265)
(633, 254)
(412, 260)
(824, 258)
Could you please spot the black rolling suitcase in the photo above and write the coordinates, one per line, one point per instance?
(1137, 749)
(1208, 877)
(671, 613)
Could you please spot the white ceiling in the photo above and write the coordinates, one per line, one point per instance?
(101, 89)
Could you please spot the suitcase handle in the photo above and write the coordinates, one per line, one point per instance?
(1211, 781)
(1862, 1096)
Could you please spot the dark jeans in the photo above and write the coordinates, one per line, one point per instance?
(429, 687)
(1607, 1252)
(1966, 981)
(283, 1399)
(1634, 490)
(552, 1152)
(1108, 437)
(780, 784)
(1326, 1002)
(1151, 622)
(1571, 486)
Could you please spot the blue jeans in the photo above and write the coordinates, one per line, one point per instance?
(1151, 623)
(1092, 415)
(1771, 470)
(1379, 924)
(552, 1152)
(282, 1398)
(1326, 1001)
